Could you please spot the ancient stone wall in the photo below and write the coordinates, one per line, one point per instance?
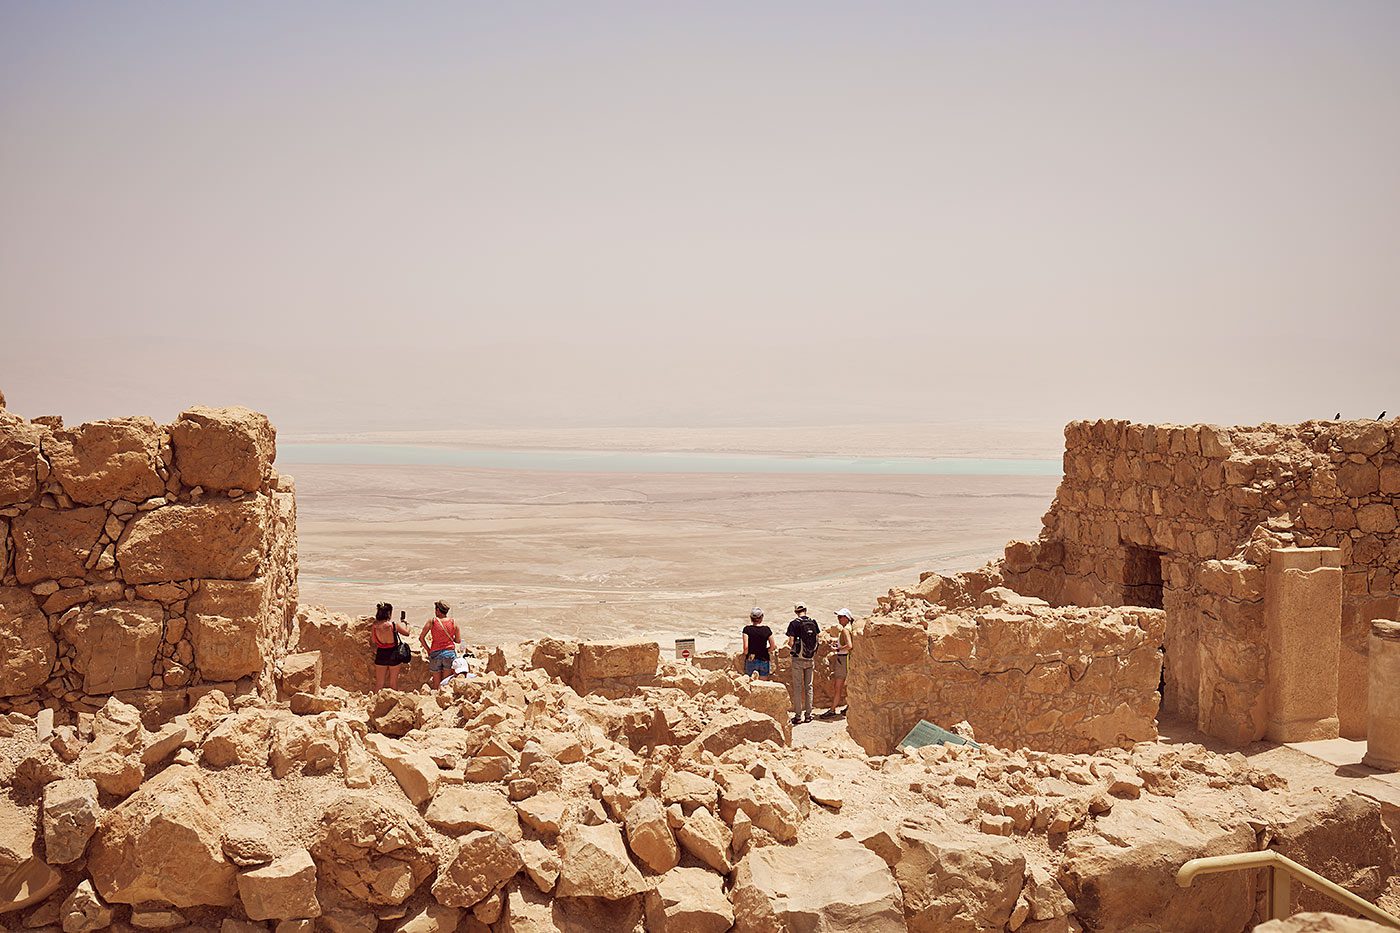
(1022, 674)
(142, 560)
(1185, 518)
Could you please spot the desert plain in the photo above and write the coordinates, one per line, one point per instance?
(522, 553)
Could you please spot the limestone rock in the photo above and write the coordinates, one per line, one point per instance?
(226, 624)
(614, 668)
(69, 819)
(27, 884)
(83, 911)
(285, 889)
(215, 540)
(27, 650)
(593, 862)
(17, 835)
(707, 838)
(837, 886)
(1125, 876)
(649, 836)
(734, 728)
(953, 878)
(244, 738)
(1320, 923)
(689, 900)
(540, 863)
(50, 543)
(223, 448)
(458, 809)
(414, 769)
(484, 861)
(690, 790)
(105, 460)
(301, 744)
(19, 460)
(246, 844)
(300, 673)
(374, 848)
(431, 918)
(116, 644)
(163, 844)
(544, 813)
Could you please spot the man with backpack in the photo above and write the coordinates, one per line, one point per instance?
(802, 644)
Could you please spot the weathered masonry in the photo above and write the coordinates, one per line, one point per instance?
(142, 560)
(1271, 550)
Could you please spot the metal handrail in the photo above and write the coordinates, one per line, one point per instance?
(1281, 867)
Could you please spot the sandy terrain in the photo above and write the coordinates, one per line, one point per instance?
(521, 554)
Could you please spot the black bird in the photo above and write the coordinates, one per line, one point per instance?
(1337, 416)
(1380, 417)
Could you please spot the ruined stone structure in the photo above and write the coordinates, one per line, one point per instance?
(1021, 674)
(1187, 518)
(142, 560)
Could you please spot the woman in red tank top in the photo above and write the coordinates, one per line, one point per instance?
(439, 639)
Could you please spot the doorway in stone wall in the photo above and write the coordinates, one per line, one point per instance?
(1142, 577)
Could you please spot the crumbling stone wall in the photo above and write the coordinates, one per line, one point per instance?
(142, 560)
(1022, 674)
(1203, 506)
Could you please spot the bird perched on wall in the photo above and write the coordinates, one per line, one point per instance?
(1380, 417)
(1337, 416)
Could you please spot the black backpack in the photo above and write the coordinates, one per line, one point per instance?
(807, 637)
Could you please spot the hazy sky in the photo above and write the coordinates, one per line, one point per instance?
(368, 215)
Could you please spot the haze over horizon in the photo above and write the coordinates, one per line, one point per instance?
(471, 215)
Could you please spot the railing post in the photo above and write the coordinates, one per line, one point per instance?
(1280, 893)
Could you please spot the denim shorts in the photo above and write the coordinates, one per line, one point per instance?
(762, 668)
(442, 660)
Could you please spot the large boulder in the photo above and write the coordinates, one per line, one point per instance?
(593, 862)
(116, 643)
(460, 808)
(223, 448)
(54, 543)
(27, 650)
(614, 668)
(484, 861)
(1125, 877)
(227, 625)
(689, 900)
(732, 728)
(244, 738)
(374, 848)
(282, 890)
(217, 540)
(163, 843)
(69, 818)
(19, 460)
(953, 880)
(105, 460)
(1311, 922)
(17, 835)
(839, 885)
(414, 768)
(650, 837)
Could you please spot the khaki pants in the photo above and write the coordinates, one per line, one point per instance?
(802, 686)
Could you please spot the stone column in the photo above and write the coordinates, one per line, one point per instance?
(1303, 622)
(1383, 734)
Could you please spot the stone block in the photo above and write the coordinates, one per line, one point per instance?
(223, 448)
(1376, 518)
(605, 660)
(283, 890)
(106, 460)
(116, 644)
(222, 540)
(227, 621)
(51, 543)
(1303, 619)
(27, 650)
(19, 460)
(300, 673)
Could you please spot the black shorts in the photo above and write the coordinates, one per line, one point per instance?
(387, 657)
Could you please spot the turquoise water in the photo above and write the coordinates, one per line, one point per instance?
(596, 461)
